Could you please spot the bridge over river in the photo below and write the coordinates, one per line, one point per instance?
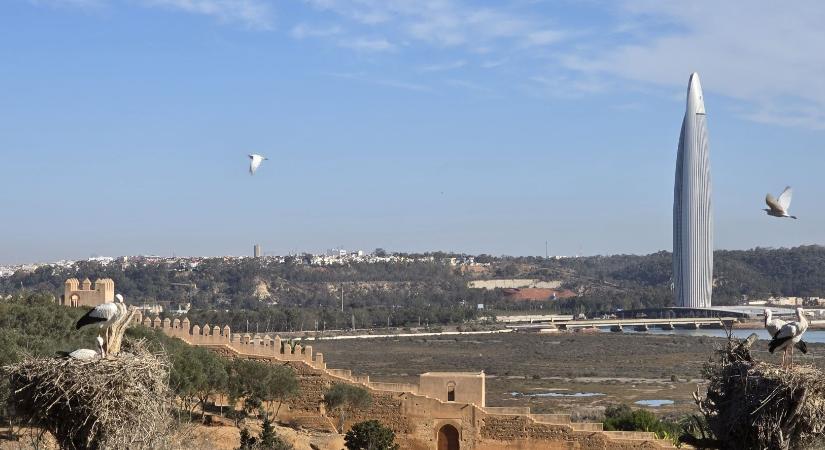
(692, 323)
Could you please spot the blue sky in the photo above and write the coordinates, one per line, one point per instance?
(484, 127)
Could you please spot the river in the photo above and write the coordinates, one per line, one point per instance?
(812, 336)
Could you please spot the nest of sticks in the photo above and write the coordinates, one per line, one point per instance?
(759, 405)
(118, 402)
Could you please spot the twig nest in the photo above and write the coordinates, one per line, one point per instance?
(761, 405)
(103, 403)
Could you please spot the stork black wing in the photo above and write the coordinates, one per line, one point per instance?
(777, 341)
(802, 347)
(88, 319)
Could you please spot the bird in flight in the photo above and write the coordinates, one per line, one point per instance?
(778, 207)
(255, 161)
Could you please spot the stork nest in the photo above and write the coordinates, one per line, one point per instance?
(121, 402)
(760, 405)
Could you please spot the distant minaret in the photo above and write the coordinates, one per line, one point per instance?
(257, 251)
(692, 213)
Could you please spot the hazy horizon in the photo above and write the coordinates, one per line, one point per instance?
(370, 250)
(472, 127)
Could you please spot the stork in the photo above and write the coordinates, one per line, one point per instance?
(774, 324)
(104, 315)
(87, 353)
(789, 335)
(255, 161)
(778, 207)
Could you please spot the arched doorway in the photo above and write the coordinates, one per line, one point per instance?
(448, 438)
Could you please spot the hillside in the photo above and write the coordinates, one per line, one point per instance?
(288, 295)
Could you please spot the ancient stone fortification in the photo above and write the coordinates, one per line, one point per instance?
(77, 294)
(445, 411)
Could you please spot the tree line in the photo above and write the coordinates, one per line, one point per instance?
(32, 324)
(292, 297)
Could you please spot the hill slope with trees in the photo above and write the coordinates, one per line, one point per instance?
(289, 296)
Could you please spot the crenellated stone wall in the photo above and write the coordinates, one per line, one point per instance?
(415, 414)
(77, 294)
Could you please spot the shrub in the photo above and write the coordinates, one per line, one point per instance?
(267, 440)
(370, 435)
(624, 418)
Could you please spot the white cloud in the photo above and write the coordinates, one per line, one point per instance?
(341, 38)
(446, 23)
(367, 44)
(84, 4)
(382, 81)
(493, 63)
(255, 14)
(302, 31)
(545, 37)
(452, 65)
(565, 87)
(252, 13)
(470, 86)
(763, 53)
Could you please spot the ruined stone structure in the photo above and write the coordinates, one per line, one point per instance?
(444, 411)
(76, 294)
(464, 387)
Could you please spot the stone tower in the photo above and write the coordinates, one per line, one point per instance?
(75, 294)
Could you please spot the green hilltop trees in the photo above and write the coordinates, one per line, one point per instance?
(402, 293)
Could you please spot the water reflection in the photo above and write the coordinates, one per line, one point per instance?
(557, 394)
(811, 336)
(654, 403)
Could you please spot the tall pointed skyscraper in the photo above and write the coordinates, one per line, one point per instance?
(692, 213)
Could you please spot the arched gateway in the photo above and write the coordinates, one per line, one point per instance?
(448, 438)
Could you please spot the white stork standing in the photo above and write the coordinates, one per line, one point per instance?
(789, 336)
(87, 353)
(774, 324)
(103, 315)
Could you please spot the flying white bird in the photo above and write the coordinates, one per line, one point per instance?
(255, 161)
(778, 207)
(104, 315)
(774, 324)
(789, 335)
(86, 353)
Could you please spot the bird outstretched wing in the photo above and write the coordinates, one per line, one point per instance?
(772, 203)
(784, 199)
(254, 163)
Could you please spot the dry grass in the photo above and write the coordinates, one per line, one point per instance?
(121, 402)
